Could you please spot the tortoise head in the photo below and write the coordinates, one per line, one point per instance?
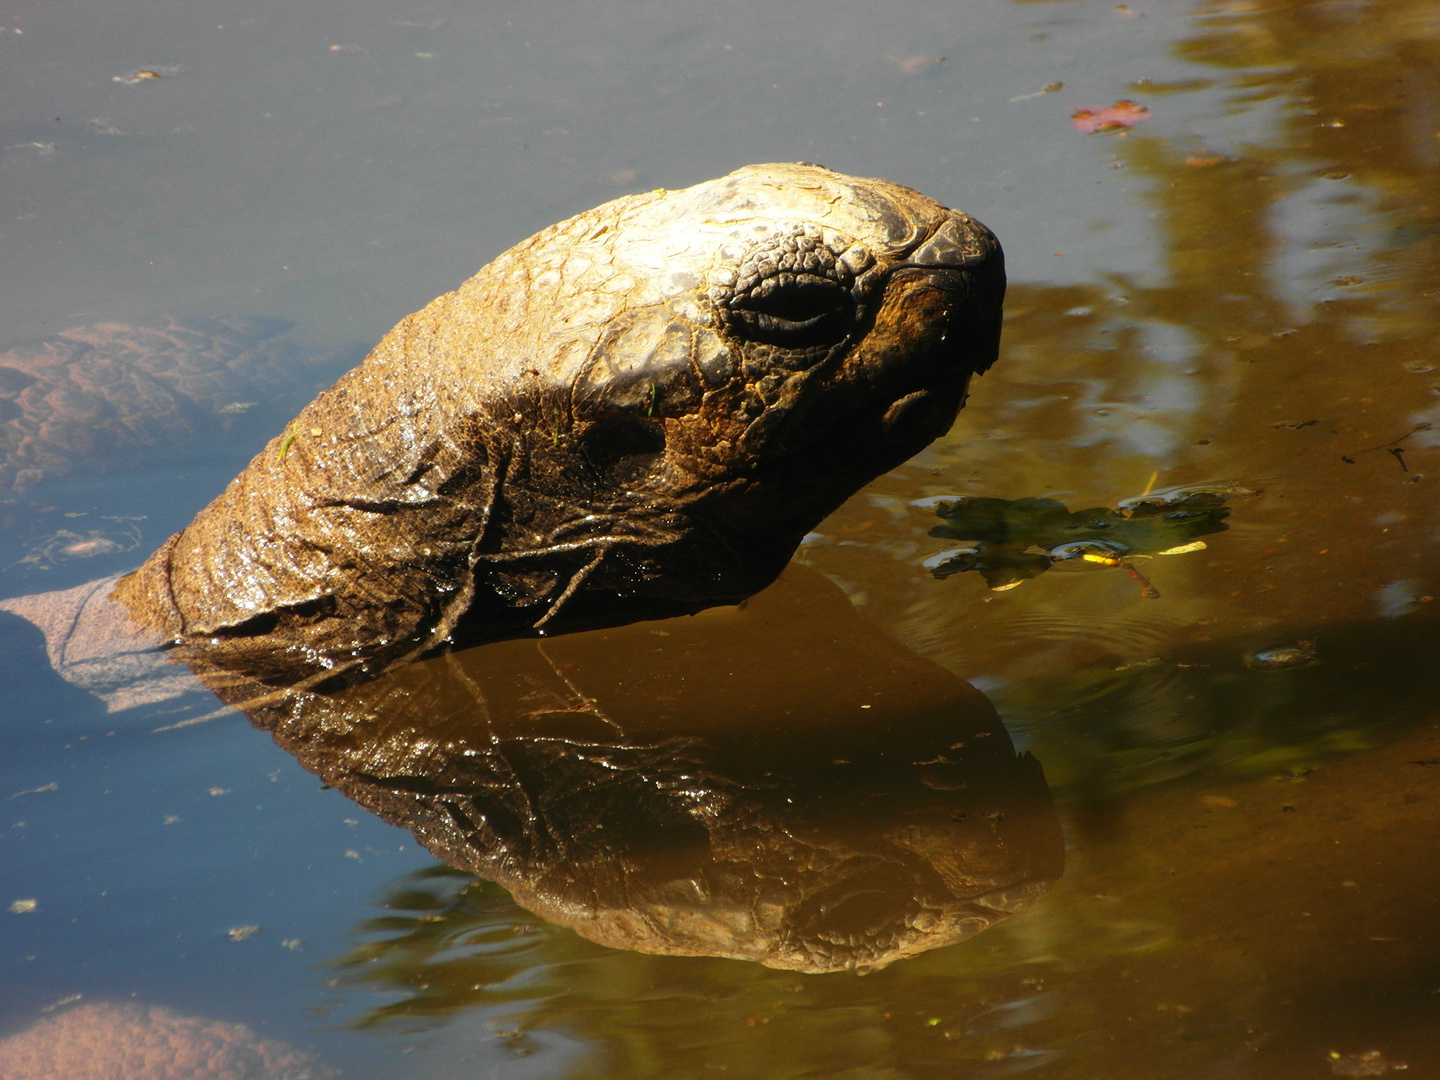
(732, 361)
(637, 412)
(791, 311)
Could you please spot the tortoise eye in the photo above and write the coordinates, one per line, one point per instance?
(794, 310)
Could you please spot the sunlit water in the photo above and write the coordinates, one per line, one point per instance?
(1242, 291)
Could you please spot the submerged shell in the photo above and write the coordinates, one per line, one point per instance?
(103, 398)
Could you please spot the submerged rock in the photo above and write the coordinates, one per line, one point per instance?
(139, 1042)
(1283, 657)
(101, 399)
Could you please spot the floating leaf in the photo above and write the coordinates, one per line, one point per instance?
(1123, 114)
(1012, 540)
(1184, 549)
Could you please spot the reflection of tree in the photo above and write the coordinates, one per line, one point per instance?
(451, 942)
(1290, 340)
(452, 945)
(1224, 227)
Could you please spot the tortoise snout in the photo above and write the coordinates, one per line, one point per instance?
(959, 241)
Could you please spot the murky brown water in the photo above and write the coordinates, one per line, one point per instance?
(1241, 292)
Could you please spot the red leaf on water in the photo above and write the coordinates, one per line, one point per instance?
(1121, 115)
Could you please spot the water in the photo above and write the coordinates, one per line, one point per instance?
(1246, 890)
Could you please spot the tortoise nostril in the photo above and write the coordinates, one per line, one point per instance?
(957, 242)
(624, 448)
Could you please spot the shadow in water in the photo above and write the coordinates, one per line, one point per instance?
(779, 783)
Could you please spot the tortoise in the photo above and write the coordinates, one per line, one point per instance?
(636, 413)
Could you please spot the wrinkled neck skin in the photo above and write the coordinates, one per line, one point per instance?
(636, 413)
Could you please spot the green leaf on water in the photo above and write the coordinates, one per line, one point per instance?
(1013, 540)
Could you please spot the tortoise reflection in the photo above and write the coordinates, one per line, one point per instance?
(780, 782)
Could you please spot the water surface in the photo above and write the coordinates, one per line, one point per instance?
(1241, 292)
